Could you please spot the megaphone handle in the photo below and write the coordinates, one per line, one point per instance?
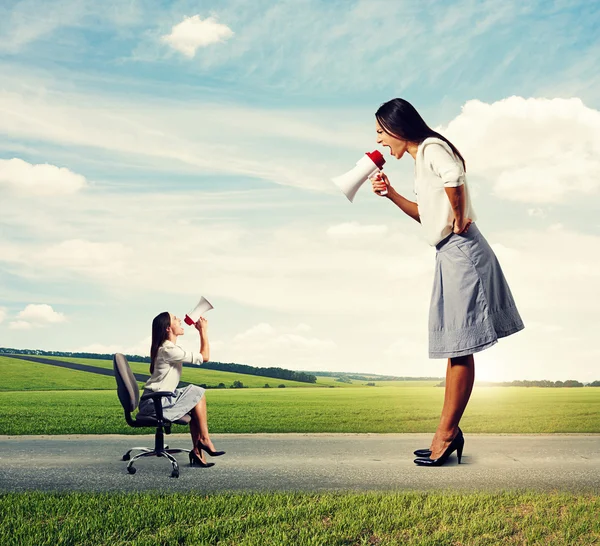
(382, 192)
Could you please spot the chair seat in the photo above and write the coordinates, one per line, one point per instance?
(149, 421)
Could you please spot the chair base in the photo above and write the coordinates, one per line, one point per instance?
(146, 452)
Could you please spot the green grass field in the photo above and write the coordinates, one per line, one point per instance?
(31, 403)
(385, 409)
(424, 519)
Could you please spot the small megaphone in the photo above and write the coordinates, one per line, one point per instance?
(192, 317)
(366, 166)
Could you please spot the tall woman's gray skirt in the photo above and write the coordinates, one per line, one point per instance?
(175, 407)
(471, 303)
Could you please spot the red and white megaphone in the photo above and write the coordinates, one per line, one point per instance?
(192, 317)
(366, 166)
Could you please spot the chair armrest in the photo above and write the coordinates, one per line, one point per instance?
(157, 399)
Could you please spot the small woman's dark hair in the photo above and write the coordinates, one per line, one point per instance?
(159, 335)
(400, 118)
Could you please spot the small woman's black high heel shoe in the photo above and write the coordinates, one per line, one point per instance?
(195, 460)
(212, 453)
(455, 445)
(427, 452)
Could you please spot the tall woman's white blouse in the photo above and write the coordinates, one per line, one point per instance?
(167, 366)
(437, 168)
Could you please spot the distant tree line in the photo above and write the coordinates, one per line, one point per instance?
(373, 377)
(570, 383)
(275, 373)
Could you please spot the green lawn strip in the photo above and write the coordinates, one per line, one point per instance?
(407, 518)
(384, 410)
(22, 375)
(197, 375)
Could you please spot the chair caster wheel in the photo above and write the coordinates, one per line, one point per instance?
(131, 469)
(175, 474)
(126, 457)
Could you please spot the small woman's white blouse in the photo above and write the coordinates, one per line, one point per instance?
(167, 366)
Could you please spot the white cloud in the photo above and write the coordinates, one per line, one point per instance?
(142, 348)
(19, 325)
(267, 345)
(351, 229)
(35, 316)
(537, 212)
(262, 330)
(532, 150)
(193, 33)
(41, 314)
(23, 178)
(103, 260)
(3, 314)
(70, 258)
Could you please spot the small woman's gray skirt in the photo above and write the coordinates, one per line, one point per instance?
(174, 407)
(471, 303)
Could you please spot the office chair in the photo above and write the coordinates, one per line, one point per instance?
(129, 396)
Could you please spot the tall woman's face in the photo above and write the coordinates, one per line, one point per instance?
(396, 145)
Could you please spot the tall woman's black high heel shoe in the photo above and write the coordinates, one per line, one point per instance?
(212, 453)
(195, 460)
(455, 445)
(427, 452)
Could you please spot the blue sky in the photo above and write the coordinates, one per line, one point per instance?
(153, 152)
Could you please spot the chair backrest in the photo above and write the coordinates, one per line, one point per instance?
(127, 387)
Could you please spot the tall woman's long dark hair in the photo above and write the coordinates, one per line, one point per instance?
(159, 335)
(400, 118)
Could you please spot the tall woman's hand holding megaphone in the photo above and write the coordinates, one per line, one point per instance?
(381, 184)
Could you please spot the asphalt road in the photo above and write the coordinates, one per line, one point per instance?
(302, 462)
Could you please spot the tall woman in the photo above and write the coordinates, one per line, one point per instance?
(166, 359)
(471, 303)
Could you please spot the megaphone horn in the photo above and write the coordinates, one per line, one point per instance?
(203, 305)
(366, 166)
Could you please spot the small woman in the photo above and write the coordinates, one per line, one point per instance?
(471, 304)
(166, 359)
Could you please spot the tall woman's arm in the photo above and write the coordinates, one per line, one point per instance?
(408, 207)
(457, 199)
(381, 182)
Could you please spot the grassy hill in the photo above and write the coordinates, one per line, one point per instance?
(21, 375)
(25, 375)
